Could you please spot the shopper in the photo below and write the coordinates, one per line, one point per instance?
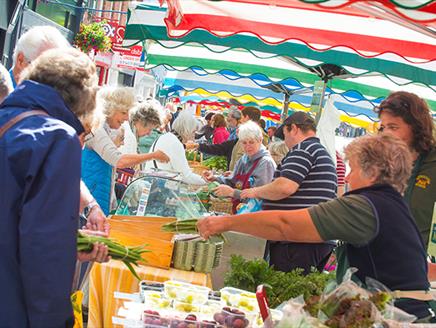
(372, 219)
(101, 155)
(233, 120)
(41, 187)
(171, 143)
(206, 131)
(220, 133)
(305, 177)
(29, 46)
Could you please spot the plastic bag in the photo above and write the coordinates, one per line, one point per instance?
(252, 205)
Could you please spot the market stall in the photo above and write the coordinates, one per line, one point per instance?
(105, 279)
(150, 201)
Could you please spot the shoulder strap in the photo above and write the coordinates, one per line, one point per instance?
(18, 118)
(152, 149)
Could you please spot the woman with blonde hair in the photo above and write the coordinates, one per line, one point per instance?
(372, 220)
(101, 154)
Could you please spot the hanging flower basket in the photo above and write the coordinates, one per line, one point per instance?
(92, 38)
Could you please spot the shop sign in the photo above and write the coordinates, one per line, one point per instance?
(116, 33)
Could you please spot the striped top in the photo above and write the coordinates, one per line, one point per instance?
(309, 165)
(340, 170)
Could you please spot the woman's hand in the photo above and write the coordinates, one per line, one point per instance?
(160, 156)
(227, 173)
(208, 176)
(223, 191)
(119, 139)
(213, 225)
(249, 193)
(97, 221)
(98, 254)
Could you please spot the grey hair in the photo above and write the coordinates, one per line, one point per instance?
(278, 150)
(147, 113)
(236, 114)
(185, 125)
(385, 158)
(250, 130)
(37, 40)
(5, 83)
(71, 73)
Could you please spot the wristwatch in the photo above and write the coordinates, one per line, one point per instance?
(87, 209)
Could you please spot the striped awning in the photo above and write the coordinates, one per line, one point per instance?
(290, 43)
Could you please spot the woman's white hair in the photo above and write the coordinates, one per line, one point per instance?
(250, 130)
(37, 40)
(110, 100)
(185, 125)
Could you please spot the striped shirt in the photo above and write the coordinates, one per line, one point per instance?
(311, 167)
(340, 170)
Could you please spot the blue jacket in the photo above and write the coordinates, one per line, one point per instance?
(97, 176)
(39, 202)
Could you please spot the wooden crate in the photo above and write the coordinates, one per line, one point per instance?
(140, 230)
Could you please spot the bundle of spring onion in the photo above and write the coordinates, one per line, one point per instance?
(185, 227)
(128, 255)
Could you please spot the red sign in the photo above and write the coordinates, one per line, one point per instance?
(116, 33)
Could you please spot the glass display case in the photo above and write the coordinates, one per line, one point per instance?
(160, 194)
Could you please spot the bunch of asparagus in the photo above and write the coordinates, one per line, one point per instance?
(185, 227)
(128, 255)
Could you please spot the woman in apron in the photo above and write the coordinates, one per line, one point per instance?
(255, 168)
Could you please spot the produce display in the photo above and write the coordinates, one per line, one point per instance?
(190, 306)
(218, 163)
(128, 255)
(248, 274)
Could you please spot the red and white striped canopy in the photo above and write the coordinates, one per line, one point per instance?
(360, 26)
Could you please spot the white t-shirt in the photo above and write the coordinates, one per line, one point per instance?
(173, 148)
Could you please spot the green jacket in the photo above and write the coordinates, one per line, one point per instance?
(421, 192)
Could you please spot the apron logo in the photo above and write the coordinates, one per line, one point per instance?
(238, 185)
(422, 181)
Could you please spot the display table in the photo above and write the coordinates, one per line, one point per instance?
(107, 278)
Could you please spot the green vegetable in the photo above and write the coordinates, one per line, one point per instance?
(185, 227)
(216, 162)
(248, 275)
(128, 255)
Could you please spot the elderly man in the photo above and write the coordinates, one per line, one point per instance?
(233, 120)
(29, 47)
(305, 177)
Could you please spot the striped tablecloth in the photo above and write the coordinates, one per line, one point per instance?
(107, 278)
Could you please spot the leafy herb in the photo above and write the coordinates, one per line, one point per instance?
(283, 286)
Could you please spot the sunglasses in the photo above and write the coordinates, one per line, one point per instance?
(395, 105)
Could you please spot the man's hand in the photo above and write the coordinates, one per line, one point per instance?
(213, 225)
(224, 191)
(98, 254)
(97, 221)
(160, 156)
(227, 173)
(249, 193)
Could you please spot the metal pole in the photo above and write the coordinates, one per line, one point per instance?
(318, 99)
(285, 107)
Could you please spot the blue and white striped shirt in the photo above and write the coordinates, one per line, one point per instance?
(311, 167)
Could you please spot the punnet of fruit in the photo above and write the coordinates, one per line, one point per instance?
(231, 318)
(152, 319)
